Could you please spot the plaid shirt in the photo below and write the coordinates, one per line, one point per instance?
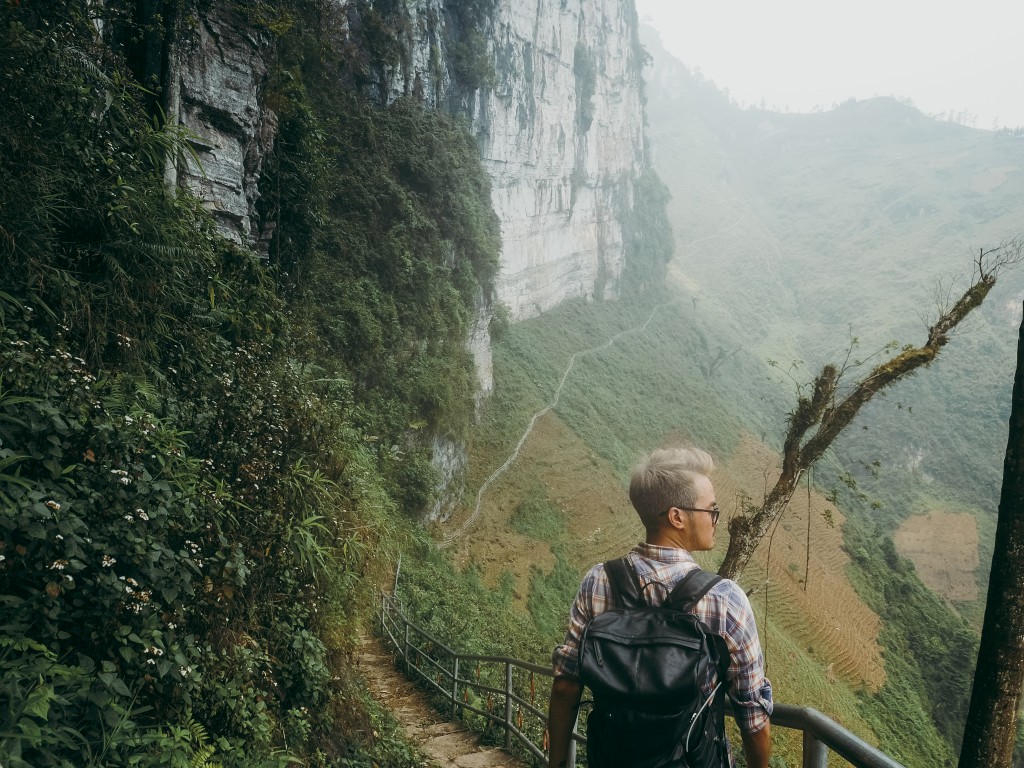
(725, 610)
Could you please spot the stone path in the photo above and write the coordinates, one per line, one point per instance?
(446, 744)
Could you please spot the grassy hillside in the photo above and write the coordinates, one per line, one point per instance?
(810, 230)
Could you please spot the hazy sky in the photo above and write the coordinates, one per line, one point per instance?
(942, 54)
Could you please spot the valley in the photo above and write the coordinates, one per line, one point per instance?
(799, 239)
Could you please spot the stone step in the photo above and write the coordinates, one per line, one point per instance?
(446, 744)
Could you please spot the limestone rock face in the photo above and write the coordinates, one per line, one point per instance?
(559, 183)
(560, 132)
(450, 460)
(560, 126)
(221, 73)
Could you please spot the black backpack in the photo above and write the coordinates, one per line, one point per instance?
(645, 667)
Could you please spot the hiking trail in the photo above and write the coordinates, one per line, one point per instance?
(445, 744)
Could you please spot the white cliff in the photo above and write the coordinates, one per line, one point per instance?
(558, 181)
(557, 187)
(560, 128)
(562, 153)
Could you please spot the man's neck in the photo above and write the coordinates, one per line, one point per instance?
(666, 538)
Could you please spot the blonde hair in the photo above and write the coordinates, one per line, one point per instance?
(666, 478)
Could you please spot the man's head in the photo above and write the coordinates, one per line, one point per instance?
(669, 478)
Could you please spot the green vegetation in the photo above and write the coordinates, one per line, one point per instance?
(471, 65)
(619, 412)
(537, 518)
(550, 596)
(204, 461)
(659, 368)
(386, 243)
(930, 652)
(585, 71)
(466, 612)
(647, 235)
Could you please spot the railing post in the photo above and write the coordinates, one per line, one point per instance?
(571, 761)
(508, 705)
(405, 652)
(455, 686)
(815, 753)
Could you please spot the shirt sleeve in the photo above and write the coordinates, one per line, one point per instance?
(565, 659)
(749, 689)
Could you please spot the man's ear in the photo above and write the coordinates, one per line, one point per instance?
(676, 519)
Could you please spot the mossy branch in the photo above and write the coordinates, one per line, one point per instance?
(824, 419)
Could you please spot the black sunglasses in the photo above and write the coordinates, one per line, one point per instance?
(715, 512)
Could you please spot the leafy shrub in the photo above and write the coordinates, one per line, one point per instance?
(385, 258)
(647, 235)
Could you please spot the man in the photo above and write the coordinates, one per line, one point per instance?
(671, 492)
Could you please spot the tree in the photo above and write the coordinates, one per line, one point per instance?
(991, 729)
(820, 418)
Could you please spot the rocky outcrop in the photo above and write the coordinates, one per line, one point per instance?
(561, 135)
(218, 75)
(450, 460)
(562, 138)
(559, 120)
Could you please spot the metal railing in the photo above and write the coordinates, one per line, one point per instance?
(504, 693)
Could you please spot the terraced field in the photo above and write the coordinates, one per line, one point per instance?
(943, 546)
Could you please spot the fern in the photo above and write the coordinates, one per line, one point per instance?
(202, 750)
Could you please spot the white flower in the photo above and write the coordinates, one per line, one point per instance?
(108, 561)
(53, 505)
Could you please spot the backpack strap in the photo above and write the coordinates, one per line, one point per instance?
(691, 588)
(684, 597)
(625, 583)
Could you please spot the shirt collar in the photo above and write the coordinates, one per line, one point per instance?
(663, 554)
